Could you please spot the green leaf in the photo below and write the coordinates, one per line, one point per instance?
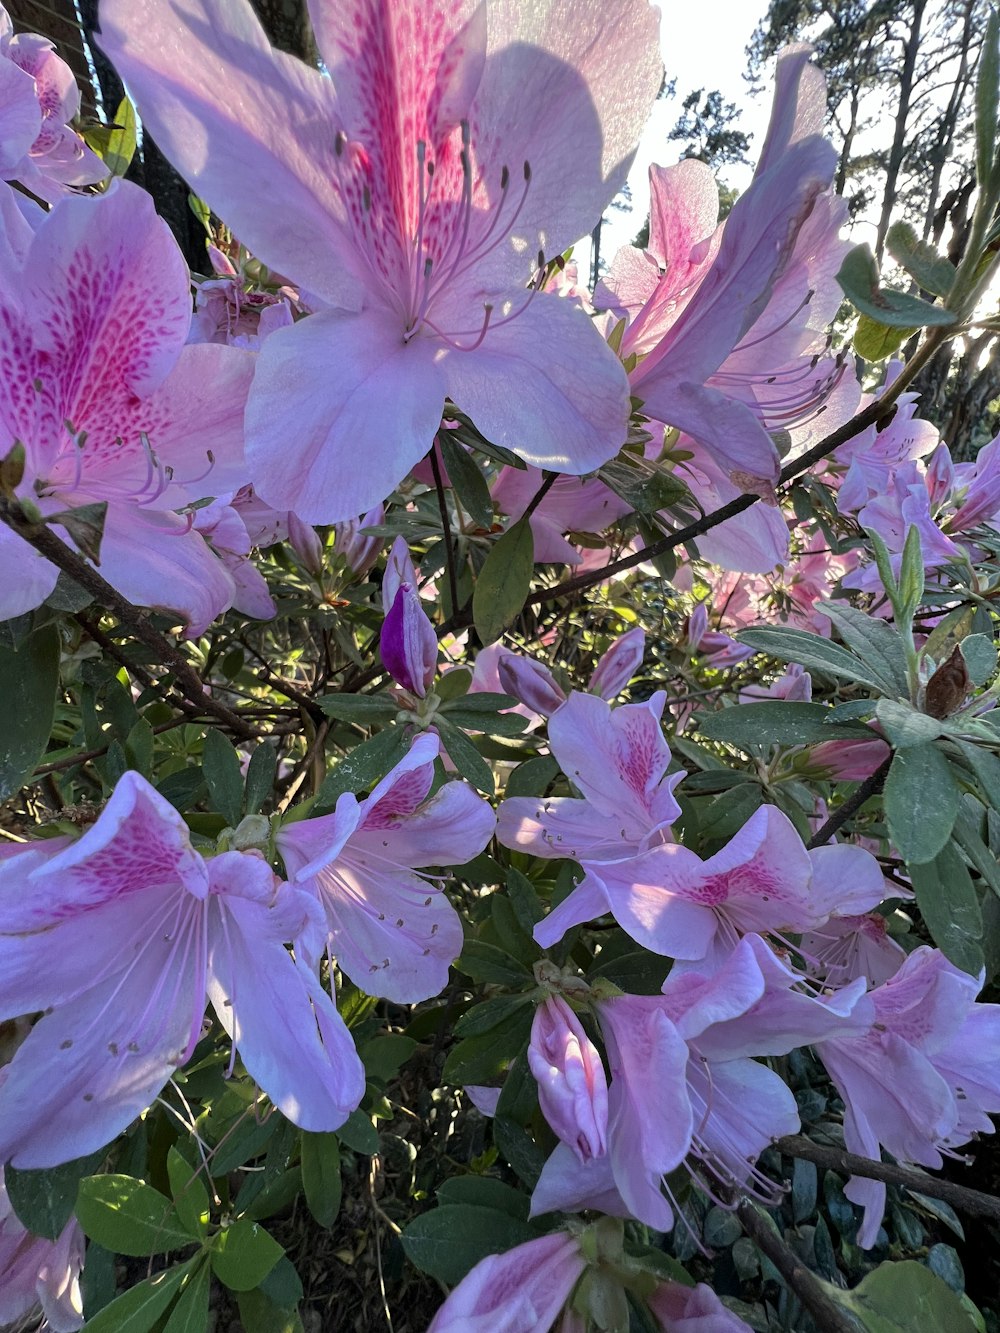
(44, 1200)
(932, 271)
(904, 726)
(518, 1148)
(139, 748)
(523, 899)
(190, 1314)
(321, 1176)
(364, 709)
(533, 777)
(244, 1254)
(812, 652)
(122, 139)
(987, 83)
(189, 1193)
(949, 905)
(29, 677)
(85, 524)
(921, 802)
(986, 769)
(138, 1309)
(493, 723)
(776, 722)
(450, 1240)
(483, 1059)
(485, 962)
(359, 1134)
(875, 642)
(980, 653)
(482, 1017)
(260, 1313)
(485, 1192)
(642, 484)
(129, 1216)
(260, 776)
(858, 277)
(903, 1297)
(504, 582)
(464, 755)
(384, 1056)
(874, 341)
(470, 485)
(365, 766)
(967, 834)
(221, 766)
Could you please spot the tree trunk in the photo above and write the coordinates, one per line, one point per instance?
(899, 129)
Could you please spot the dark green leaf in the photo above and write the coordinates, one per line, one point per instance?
(189, 1193)
(875, 642)
(523, 899)
(244, 1254)
(138, 1309)
(980, 653)
(932, 271)
(485, 962)
(260, 776)
(464, 755)
(642, 484)
(385, 1055)
(365, 766)
(28, 681)
(190, 1314)
(638, 972)
(450, 1240)
(359, 1134)
(921, 802)
(44, 1200)
(812, 652)
(494, 724)
(986, 769)
(519, 1149)
(949, 905)
(504, 581)
(485, 1058)
(470, 485)
(533, 777)
(485, 1192)
(129, 1216)
(321, 1176)
(260, 1313)
(364, 709)
(221, 767)
(858, 277)
(776, 722)
(482, 1017)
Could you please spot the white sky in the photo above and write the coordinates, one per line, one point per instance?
(704, 46)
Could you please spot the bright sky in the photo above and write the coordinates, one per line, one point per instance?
(704, 46)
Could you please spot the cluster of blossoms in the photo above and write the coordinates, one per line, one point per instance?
(408, 202)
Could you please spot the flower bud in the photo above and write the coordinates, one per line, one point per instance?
(940, 475)
(619, 664)
(531, 683)
(399, 569)
(359, 552)
(408, 643)
(572, 1085)
(306, 545)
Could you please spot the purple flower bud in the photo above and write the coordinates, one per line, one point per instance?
(940, 475)
(619, 664)
(408, 642)
(531, 683)
(399, 569)
(697, 625)
(360, 552)
(572, 1085)
(306, 545)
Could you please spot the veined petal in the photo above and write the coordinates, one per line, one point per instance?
(20, 116)
(571, 410)
(251, 129)
(287, 1031)
(28, 577)
(568, 1185)
(560, 826)
(449, 829)
(317, 406)
(155, 559)
(87, 1069)
(646, 896)
(308, 845)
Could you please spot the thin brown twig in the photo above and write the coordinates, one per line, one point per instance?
(828, 1314)
(871, 786)
(45, 541)
(961, 1197)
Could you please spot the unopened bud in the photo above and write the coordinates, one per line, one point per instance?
(408, 643)
(531, 683)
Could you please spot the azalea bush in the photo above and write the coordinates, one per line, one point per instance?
(501, 791)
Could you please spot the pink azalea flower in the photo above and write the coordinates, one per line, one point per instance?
(572, 1085)
(412, 191)
(725, 338)
(521, 1291)
(794, 685)
(619, 664)
(141, 421)
(850, 761)
(922, 1078)
(847, 947)
(408, 644)
(681, 1309)
(38, 98)
(617, 759)
(391, 929)
(686, 1090)
(145, 931)
(35, 1271)
(753, 542)
(535, 686)
(222, 524)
